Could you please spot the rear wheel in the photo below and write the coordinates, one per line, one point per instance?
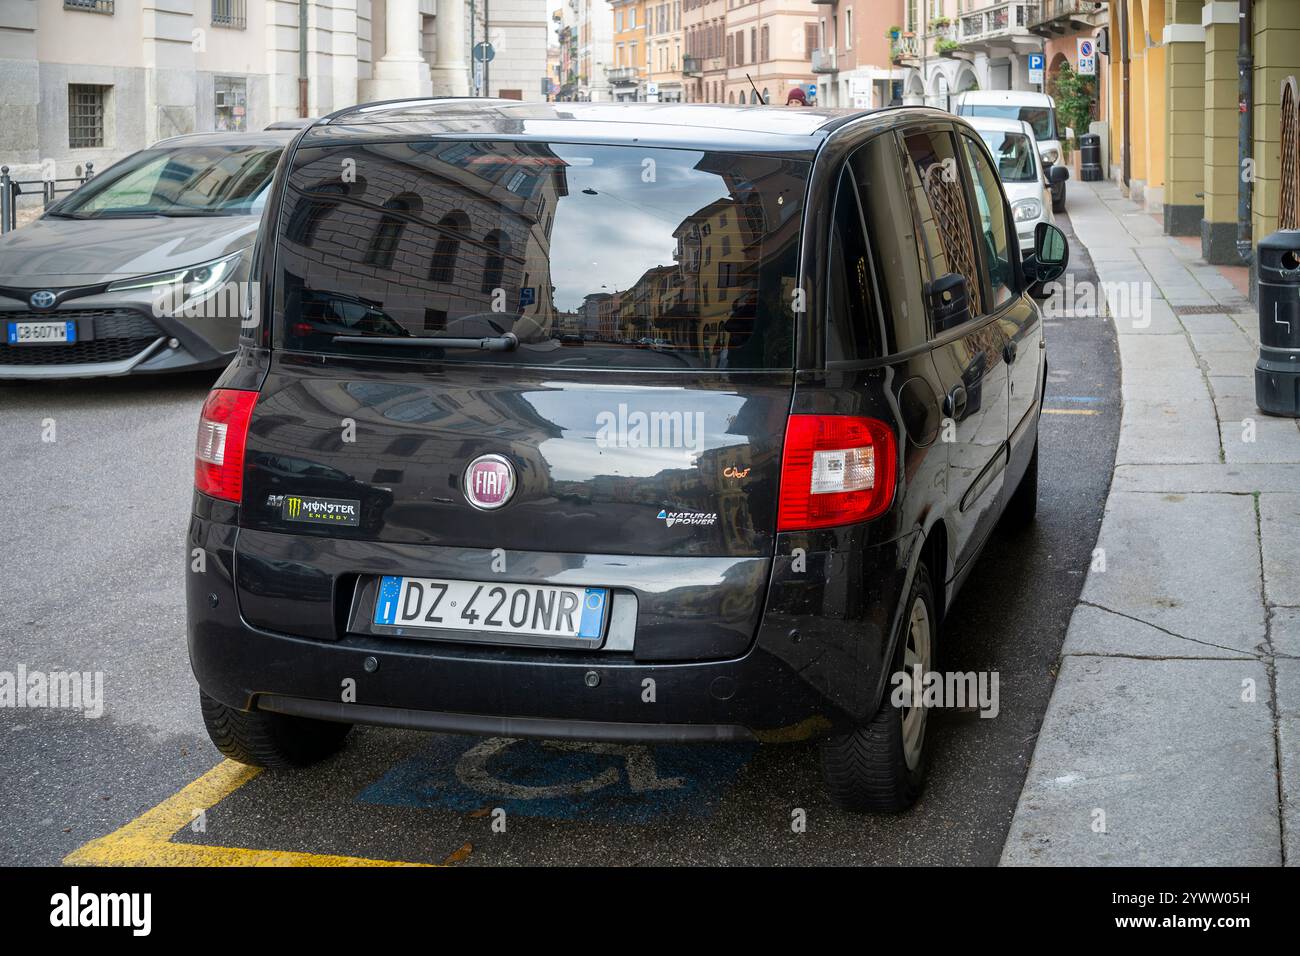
(262, 739)
(1023, 505)
(881, 766)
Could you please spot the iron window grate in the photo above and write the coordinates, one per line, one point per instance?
(92, 6)
(230, 13)
(86, 115)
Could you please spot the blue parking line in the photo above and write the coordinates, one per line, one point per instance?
(564, 780)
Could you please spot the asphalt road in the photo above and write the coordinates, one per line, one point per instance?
(91, 579)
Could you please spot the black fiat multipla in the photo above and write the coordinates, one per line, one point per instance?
(614, 422)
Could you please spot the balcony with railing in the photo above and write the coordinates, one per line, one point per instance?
(823, 61)
(1003, 25)
(1059, 17)
(623, 75)
(905, 48)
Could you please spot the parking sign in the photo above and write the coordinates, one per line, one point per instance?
(1037, 63)
(1087, 56)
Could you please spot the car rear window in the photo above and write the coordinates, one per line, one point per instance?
(1041, 118)
(592, 255)
(1014, 155)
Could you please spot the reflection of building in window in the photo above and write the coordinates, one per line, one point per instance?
(383, 244)
(494, 266)
(309, 213)
(453, 226)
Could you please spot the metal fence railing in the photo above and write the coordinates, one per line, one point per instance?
(49, 190)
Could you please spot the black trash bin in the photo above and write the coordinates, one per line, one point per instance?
(1090, 158)
(1277, 374)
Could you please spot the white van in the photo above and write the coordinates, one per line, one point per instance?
(1036, 109)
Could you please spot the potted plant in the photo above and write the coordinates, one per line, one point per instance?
(946, 47)
(894, 32)
(940, 24)
(1074, 95)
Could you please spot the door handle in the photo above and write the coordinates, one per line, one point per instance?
(1009, 353)
(954, 403)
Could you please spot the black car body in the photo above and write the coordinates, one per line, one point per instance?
(737, 605)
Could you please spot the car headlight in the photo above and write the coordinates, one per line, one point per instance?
(1051, 156)
(1027, 210)
(193, 282)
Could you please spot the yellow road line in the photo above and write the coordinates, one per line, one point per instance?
(146, 840)
(1068, 411)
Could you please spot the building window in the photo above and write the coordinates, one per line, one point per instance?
(92, 6)
(230, 13)
(230, 99)
(86, 115)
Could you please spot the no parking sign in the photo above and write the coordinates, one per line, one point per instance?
(1087, 56)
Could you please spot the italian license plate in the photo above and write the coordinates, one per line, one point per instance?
(42, 333)
(524, 610)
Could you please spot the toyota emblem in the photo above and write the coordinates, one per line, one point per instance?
(43, 299)
(489, 482)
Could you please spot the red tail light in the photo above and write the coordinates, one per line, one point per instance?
(219, 451)
(836, 469)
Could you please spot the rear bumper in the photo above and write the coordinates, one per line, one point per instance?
(816, 665)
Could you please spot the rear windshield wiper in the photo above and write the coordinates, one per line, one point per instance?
(507, 342)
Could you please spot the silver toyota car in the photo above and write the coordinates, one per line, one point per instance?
(142, 269)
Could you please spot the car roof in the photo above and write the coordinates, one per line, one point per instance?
(996, 125)
(255, 138)
(1007, 97)
(793, 130)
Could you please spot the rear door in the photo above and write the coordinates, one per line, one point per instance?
(969, 360)
(642, 412)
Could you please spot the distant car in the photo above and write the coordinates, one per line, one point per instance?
(1036, 109)
(142, 269)
(1027, 182)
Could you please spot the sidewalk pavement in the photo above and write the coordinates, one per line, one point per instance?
(1178, 695)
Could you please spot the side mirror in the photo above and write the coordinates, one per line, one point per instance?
(948, 300)
(1058, 174)
(1050, 257)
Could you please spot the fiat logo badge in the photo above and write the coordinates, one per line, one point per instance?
(43, 299)
(489, 482)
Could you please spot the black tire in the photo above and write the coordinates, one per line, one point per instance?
(867, 770)
(263, 739)
(1023, 506)
(1058, 198)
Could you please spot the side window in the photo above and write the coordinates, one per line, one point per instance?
(852, 329)
(888, 217)
(934, 180)
(991, 217)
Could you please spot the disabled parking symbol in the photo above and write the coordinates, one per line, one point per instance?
(564, 779)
